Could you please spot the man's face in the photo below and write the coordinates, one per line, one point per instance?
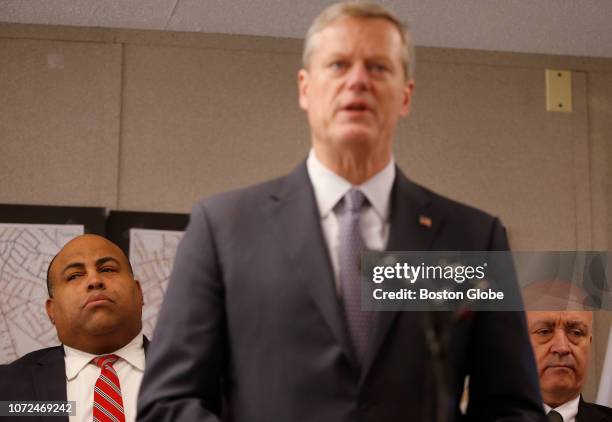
(94, 294)
(561, 341)
(354, 90)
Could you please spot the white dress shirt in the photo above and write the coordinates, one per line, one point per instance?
(329, 188)
(82, 374)
(567, 410)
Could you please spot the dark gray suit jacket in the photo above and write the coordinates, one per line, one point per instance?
(591, 412)
(37, 376)
(251, 328)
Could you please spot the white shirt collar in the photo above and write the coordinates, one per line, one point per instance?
(329, 188)
(76, 360)
(568, 410)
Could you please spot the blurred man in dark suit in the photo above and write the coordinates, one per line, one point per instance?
(262, 319)
(96, 307)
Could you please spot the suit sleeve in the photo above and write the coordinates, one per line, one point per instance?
(187, 356)
(504, 384)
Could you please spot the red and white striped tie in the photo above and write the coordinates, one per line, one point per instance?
(108, 404)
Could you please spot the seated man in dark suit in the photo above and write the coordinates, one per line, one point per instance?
(262, 320)
(96, 307)
(561, 341)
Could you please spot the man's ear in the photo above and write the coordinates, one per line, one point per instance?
(303, 79)
(50, 308)
(139, 287)
(407, 98)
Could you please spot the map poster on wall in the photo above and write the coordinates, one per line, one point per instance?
(150, 241)
(119, 224)
(152, 254)
(29, 238)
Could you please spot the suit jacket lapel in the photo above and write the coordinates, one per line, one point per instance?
(414, 223)
(294, 216)
(49, 377)
(413, 227)
(589, 413)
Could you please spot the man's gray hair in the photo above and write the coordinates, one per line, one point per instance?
(366, 10)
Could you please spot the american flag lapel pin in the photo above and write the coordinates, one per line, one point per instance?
(425, 221)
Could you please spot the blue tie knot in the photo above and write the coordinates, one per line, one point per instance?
(354, 200)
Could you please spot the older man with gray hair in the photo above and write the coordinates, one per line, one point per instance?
(561, 342)
(262, 319)
(560, 325)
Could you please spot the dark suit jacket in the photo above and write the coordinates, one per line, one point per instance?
(40, 376)
(251, 326)
(591, 412)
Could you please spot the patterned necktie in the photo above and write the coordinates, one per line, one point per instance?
(554, 416)
(108, 404)
(351, 246)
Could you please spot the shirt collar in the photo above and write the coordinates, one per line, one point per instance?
(329, 188)
(133, 353)
(568, 410)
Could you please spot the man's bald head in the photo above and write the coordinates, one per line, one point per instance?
(94, 301)
(50, 267)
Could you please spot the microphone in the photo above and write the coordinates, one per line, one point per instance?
(437, 331)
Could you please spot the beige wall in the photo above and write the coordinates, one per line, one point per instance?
(152, 121)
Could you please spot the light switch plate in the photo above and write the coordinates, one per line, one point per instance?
(559, 90)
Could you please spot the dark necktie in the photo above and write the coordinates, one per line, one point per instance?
(108, 404)
(554, 416)
(351, 246)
